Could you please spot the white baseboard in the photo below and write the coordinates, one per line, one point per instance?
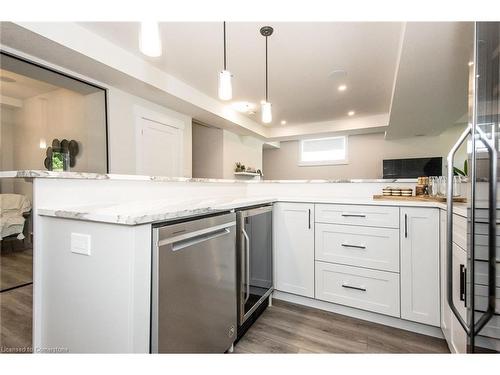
(360, 314)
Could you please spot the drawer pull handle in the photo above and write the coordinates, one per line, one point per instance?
(353, 287)
(353, 215)
(355, 246)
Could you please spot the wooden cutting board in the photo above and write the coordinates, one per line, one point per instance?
(419, 198)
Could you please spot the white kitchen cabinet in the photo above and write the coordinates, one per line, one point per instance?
(365, 215)
(458, 338)
(369, 247)
(294, 248)
(445, 308)
(363, 288)
(420, 265)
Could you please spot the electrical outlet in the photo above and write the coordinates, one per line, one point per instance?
(80, 243)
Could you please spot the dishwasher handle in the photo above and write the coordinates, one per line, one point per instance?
(176, 246)
(192, 238)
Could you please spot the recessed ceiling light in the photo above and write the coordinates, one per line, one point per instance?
(243, 107)
(7, 79)
(283, 122)
(471, 63)
(342, 88)
(351, 113)
(337, 74)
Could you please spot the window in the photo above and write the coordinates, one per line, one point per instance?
(323, 151)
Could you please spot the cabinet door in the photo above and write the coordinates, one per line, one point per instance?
(294, 248)
(445, 308)
(420, 265)
(457, 333)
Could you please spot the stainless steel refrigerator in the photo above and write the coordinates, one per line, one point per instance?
(479, 279)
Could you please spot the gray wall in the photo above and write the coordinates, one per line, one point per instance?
(207, 151)
(365, 153)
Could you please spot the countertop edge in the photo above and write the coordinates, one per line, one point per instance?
(131, 220)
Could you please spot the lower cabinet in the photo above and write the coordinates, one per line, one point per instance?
(391, 269)
(445, 308)
(452, 330)
(363, 288)
(419, 249)
(293, 225)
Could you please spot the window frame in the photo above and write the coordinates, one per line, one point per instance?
(344, 161)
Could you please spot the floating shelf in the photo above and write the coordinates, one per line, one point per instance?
(253, 174)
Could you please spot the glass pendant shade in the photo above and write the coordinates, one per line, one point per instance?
(225, 85)
(149, 39)
(267, 115)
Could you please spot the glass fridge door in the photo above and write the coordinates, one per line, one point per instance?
(484, 261)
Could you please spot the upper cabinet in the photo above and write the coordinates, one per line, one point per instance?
(294, 248)
(420, 265)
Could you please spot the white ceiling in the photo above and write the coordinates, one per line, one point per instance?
(301, 57)
(23, 87)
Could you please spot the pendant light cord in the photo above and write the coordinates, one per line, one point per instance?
(224, 45)
(267, 85)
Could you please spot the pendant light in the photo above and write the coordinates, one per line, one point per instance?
(225, 86)
(149, 39)
(266, 112)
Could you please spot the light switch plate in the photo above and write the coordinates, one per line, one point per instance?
(80, 243)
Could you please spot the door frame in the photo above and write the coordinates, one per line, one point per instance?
(143, 113)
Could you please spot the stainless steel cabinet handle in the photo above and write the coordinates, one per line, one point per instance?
(463, 282)
(492, 229)
(449, 227)
(406, 226)
(247, 264)
(355, 246)
(309, 220)
(353, 215)
(353, 287)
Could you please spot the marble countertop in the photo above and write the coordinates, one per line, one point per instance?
(31, 173)
(154, 211)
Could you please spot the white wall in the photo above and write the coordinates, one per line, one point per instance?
(122, 136)
(216, 151)
(365, 153)
(240, 148)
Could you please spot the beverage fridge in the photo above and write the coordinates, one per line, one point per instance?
(477, 280)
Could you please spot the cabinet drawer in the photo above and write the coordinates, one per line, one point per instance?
(371, 290)
(373, 216)
(460, 231)
(368, 247)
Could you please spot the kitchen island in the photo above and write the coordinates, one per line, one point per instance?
(98, 228)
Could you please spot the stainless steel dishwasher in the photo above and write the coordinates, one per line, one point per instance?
(193, 305)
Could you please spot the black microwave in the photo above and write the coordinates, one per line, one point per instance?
(412, 168)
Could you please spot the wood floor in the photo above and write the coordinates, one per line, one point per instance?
(282, 328)
(290, 328)
(16, 268)
(15, 319)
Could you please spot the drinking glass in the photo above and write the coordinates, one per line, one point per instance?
(433, 186)
(442, 186)
(457, 185)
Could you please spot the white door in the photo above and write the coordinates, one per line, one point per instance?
(420, 265)
(159, 148)
(294, 248)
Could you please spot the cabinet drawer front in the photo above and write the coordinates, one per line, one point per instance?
(371, 290)
(373, 216)
(376, 248)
